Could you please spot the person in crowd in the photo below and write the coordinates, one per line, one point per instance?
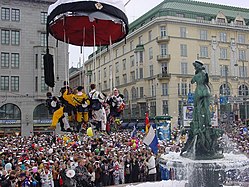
(82, 176)
(151, 164)
(96, 109)
(47, 177)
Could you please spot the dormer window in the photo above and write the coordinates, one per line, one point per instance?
(180, 15)
(221, 18)
(239, 20)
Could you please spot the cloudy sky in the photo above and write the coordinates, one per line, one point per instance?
(135, 9)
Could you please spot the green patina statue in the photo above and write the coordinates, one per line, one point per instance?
(202, 140)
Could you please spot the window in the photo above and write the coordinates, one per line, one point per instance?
(224, 89)
(223, 37)
(117, 67)
(150, 53)
(36, 84)
(132, 60)
(141, 73)
(5, 14)
(132, 76)
(153, 108)
(242, 55)
(223, 70)
(105, 72)
(105, 85)
(43, 40)
(124, 64)
(204, 51)
(117, 81)
(162, 31)
(184, 68)
(153, 90)
(15, 37)
(123, 49)
(140, 56)
(221, 20)
(183, 50)
(44, 18)
(151, 71)
(140, 40)
(206, 66)
(179, 89)
(116, 53)
(242, 71)
(223, 53)
(203, 34)
(165, 107)
(125, 78)
(15, 60)
(241, 38)
(238, 22)
(164, 68)
(5, 83)
(163, 49)
(141, 92)
(243, 90)
(180, 15)
(15, 14)
(133, 93)
(164, 88)
(183, 32)
(131, 45)
(36, 61)
(5, 60)
(184, 89)
(150, 36)
(5, 37)
(14, 83)
(44, 87)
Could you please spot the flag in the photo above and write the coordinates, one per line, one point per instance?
(151, 140)
(147, 123)
(134, 132)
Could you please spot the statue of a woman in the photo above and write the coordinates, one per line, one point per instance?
(201, 115)
(202, 138)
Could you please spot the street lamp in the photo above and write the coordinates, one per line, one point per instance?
(244, 89)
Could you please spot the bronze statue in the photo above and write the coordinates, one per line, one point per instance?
(202, 137)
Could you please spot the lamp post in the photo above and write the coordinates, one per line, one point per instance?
(244, 89)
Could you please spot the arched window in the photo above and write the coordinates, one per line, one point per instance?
(225, 89)
(243, 90)
(133, 93)
(10, 111)
(126, 95)
(41, 112)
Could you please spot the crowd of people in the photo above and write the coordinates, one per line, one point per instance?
(70, 160)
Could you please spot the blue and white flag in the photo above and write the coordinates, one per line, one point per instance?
(134, 132)
(151, 140)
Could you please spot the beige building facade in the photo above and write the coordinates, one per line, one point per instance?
(153, 66)
(23, 44)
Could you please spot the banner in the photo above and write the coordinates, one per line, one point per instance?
(188, 115)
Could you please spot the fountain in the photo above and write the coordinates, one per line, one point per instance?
(202, 161)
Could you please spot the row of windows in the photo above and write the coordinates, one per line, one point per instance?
(203, 35)
(10, 60)
(13, 14)
(10, 36)
(11, 83)
(13, 37)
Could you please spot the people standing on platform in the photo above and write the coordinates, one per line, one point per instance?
(96, 109)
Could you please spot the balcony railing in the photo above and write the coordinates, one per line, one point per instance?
(163, 57)
(161, 39)
(163, 76)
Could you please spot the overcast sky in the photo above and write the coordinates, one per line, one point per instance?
(135, 9)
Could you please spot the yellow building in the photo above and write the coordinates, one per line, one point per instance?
(153, 66)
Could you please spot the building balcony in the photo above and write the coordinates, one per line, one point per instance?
(163, 57)
(162, 39)
(163, 76)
